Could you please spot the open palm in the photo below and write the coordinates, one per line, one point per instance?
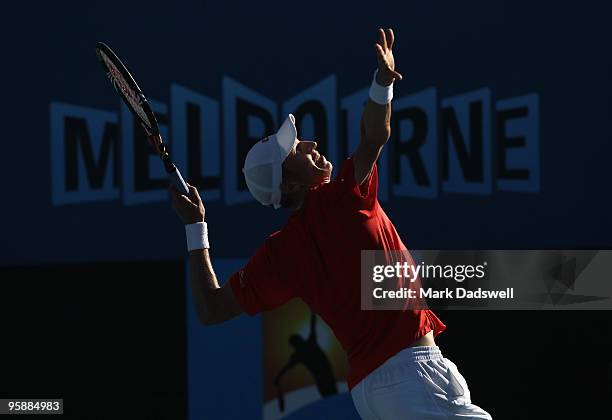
(384, 54)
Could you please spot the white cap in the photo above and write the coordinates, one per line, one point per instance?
(263, 166)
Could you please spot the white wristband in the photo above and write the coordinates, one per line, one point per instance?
(197, 236)
(380, 94)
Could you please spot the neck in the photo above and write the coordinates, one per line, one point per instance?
(293, 201)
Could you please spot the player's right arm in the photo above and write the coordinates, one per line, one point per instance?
(376, 118)
(214, 304)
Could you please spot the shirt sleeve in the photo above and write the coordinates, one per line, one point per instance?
(258, 286)
(360, 196)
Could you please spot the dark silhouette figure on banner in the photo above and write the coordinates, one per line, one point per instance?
(311, 355)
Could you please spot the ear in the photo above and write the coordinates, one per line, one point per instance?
(289, 187)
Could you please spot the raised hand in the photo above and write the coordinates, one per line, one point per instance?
(384, 53)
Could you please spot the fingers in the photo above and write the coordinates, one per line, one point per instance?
(182, 200)
(386, 38)
(179, 201)
(390, 38)
(379, 51)
(192, 190)
(194, 193)
(178, 198)
(397, 75)
(383, 38)
(189, 208)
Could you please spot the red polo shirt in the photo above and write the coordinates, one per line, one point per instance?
(316, 257)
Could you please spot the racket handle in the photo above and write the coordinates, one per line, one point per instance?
(177, 181)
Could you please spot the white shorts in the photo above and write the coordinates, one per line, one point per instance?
(417, 383)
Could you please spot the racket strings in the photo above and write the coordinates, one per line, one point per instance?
(136, 101)
(122, 86)
(157, 144)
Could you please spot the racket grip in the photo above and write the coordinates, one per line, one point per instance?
(177, 181)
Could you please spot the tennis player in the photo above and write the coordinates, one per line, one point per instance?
(396, 369)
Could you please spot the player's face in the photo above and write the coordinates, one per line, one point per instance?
(307, 166)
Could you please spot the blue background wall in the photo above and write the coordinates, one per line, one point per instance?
(280, 49)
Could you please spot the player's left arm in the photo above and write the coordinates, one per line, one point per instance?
(376, 118)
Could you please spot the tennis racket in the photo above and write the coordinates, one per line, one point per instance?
(135, 100)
